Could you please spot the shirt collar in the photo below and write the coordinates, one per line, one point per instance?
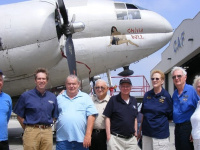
(159, 94)
(119, 98)
(106, 99)
(80, 94)
(38, 93)
(184, 90)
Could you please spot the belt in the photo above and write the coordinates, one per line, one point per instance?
(41, 126)
(6, 141)
(99, 130)
(182, 124)
(122, 136)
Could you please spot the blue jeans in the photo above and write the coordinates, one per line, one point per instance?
(66, 145)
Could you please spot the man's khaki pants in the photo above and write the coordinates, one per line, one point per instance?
(38, 139)
(117, 143)
(149, 143)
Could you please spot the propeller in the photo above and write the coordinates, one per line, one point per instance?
(68, 28)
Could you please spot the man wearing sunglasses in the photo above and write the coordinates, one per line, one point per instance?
(100, 100)
(121, 119)
(185, 101)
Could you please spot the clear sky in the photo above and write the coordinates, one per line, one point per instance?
(174, 11)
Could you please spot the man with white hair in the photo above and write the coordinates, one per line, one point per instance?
(185, 101)
(121, 119)
(99, 131)
(5, 113)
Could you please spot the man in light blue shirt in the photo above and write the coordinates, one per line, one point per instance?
(5, 113)
(76, 117)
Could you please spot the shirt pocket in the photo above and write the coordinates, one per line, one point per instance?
(81, 109)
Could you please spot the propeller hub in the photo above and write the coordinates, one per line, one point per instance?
(78, 26)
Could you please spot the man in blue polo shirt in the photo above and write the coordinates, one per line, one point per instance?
(121, 119)
(36, 110)
(76, 117)
(185, 101)
(5, 113)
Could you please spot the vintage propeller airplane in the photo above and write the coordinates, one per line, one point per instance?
(106, 35)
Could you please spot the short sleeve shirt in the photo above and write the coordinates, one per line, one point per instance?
(195, 121)
(184, 104)
(122, 115)
(73, 113)
(157, 109)
(36, 108)
(5, 113)
(100, 106)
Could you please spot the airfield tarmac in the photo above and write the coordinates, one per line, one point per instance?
(15, 140)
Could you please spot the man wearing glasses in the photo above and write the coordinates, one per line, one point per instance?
(121, 119)
(100, 100)
(185, 101)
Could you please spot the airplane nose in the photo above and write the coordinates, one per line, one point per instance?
(155, 23)
(168, 27)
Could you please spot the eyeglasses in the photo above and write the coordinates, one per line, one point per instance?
(178, 76)
(99, 87)
(155, 79)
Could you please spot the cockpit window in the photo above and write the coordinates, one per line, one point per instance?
(120, 6)
(132, 14)
(131, 6)
(126, 11)
(122, 15)
(140, 7)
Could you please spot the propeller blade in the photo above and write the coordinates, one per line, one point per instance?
(71, 58)
(63, 11)
(67, 29)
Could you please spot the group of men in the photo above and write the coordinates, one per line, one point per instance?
(80, 119)
(83, 123)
